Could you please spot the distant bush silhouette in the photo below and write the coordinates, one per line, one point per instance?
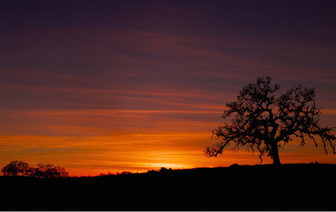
(43, 171)
(108, 174)
(165, 170)
(50, 171)
(126, 172)
(15, 167)
(263, 122)
(235, 165)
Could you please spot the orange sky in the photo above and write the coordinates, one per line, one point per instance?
(116, 86)
(90, 142)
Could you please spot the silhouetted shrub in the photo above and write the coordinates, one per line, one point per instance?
(102, 174)
(235, 165)
(50, 171)
(163, 169)
(126, 172)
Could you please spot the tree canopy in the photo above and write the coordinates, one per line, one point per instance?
(43, 170)
(261, 121)
(15, 167)
(50, 171)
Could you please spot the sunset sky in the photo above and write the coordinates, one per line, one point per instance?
(112, 86)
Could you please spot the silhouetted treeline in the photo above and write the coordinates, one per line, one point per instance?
(17, 167)
(260, 187)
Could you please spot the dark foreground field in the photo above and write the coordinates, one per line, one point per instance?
(290, 187)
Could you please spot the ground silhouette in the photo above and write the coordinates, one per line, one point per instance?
(260, 187)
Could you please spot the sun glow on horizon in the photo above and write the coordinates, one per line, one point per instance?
(91, 142)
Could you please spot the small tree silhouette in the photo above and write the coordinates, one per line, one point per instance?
(263, 122)
(43, 170)
(50, 171)
(15, 167)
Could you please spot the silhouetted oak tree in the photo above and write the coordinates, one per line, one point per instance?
(264, 122)
(15, 167)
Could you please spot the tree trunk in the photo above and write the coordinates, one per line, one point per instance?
(275, 155)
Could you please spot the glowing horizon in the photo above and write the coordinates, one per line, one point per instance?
(86, 150)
